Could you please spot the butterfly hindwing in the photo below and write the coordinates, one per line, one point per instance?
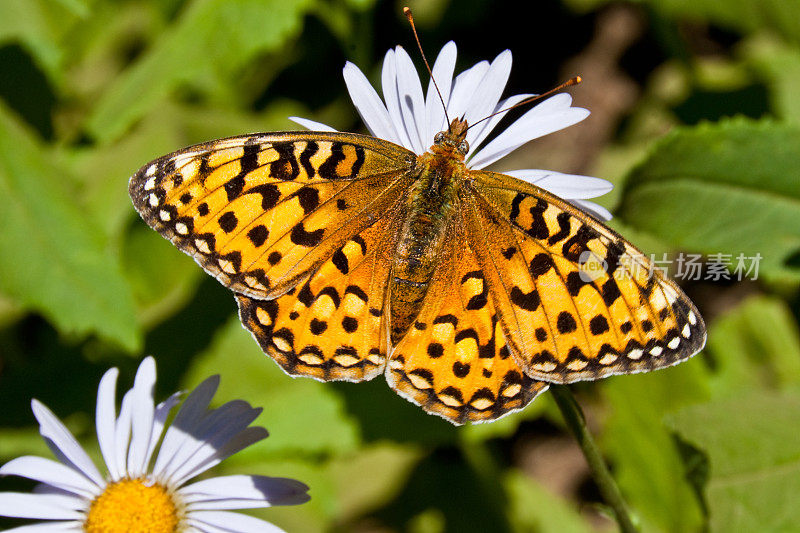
(332, 326)
(454, 360)
(576, 300)
(260, 211)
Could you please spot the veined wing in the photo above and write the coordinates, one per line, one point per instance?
(332, 326)
(576, 300)
(260, 212)
(454, 361)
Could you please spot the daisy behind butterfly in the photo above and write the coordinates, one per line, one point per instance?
(353, 256)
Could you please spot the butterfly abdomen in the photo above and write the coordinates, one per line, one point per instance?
(431, 206)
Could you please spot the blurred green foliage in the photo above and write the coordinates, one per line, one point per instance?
(703, 145)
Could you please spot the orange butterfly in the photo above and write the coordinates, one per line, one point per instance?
(353, 256)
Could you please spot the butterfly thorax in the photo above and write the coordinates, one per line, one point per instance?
(431, 204)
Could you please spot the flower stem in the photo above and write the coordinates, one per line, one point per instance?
(576, 423)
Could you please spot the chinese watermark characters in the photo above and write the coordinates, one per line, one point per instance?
(684, 266)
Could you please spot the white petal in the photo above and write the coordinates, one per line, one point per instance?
(488, 92)
(368, 104)
(162, 413)
(478, 133)
(243, 492)
(464, 87)
(52, 473)
(122, 434)
(225, 522)
(312, 125)
(209, 456)
(220, 424)
(443, 69)
(105, 420)
(63, 444)
(598, 211)
(42, 506)
(412, 103)
(49, 527)
(225, 437)
(189, 415)
(557, 101)
(142, 417)
(566, 186)
(392, 99)
(545, 118)
(238, 443)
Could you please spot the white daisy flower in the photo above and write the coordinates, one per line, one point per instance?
(411, 120)
(147, 487)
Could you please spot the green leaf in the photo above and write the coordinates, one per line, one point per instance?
(727, 188)
(534, 508)
(755, 345)
(779, 65)
(745, 16)
(162, 278)
(754, 452)
(742, 15)
(646, 461)
(211, 41)
(40, 26)
(52, 259)
(291, 405)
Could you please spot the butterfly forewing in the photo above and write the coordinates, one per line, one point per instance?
(575, 299)
(260, 211)
(454, 361)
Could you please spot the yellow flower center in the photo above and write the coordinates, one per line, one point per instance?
(133, 506)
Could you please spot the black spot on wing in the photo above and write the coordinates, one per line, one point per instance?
(269, 195)
(308, 198)
(446, 319)
(360, 241)
(248, 162)
(528, 301)
(305, 296)
(358, 291)
(339, 260)
(333, 293)
(228, 221)
(258, 235)
(538, 229)
(309, 239)
(285, 168)
(563, 228)
(461, 370)
(598, 325)
(610, 292)
(578, 243)
(305, 158)
(541, 264)
(327, 170)
(566, 322)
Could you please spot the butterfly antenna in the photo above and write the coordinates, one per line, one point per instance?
(410, 17)
(570, 82)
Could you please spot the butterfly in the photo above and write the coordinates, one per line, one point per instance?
(470, 291)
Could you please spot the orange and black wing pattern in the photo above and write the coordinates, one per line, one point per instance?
(576, 300)
(260, 212)
(455, 360)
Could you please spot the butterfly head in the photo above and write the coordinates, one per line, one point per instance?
(454, 140)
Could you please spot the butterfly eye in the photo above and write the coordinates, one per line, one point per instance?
(439, 137)
(463, 147)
